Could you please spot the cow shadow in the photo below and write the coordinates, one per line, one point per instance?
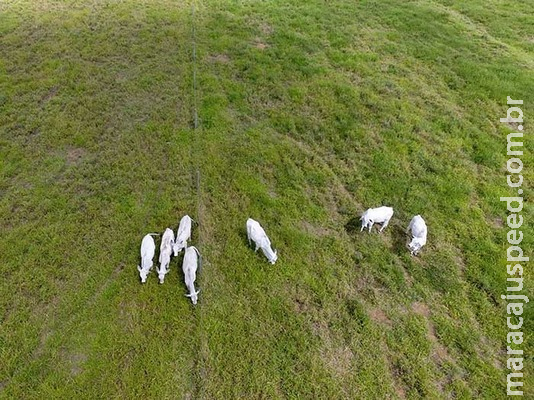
(399, 239)
(244, 239)
(353, 226)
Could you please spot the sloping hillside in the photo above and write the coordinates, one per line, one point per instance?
(309, 113)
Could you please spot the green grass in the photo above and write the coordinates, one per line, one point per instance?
(310, 112)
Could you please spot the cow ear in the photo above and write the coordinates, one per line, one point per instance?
(198, 291)
(139, 268)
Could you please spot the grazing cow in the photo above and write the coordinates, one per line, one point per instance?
(256, 233)
(419, 231)
(192, 259)
(148, 248)
(165, 252)
(183, 234)
(380, 215)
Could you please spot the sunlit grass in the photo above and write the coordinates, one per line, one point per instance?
(310, 112)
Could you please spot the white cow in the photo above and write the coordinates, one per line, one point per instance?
(419, 231)
(256, 233)
(191, 262)
(380, 215)
(183, 234)
(148, 248)
(165, 252)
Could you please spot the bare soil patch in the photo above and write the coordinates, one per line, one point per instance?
(75, 155)
(497, 222)
(260, 44)
(266, 28)
(421, 309)
(75, 361)
(314, 229)
(49, 95)
(380, 317)
(338, 359)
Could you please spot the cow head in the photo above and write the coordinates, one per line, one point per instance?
(193, 296)
(414, 246)
(365, 221)
(274, 257)
(143, 273)
(161, 274)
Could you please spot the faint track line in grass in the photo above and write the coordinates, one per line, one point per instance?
(196, 125)
(54, 325)
(311, 152)
(198, 364)
(481, 30)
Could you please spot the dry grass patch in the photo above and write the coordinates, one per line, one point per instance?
(260, 44)
(380, 317)
(219, 58)
(266, 28)
(314, 230)
(337, 359)
(75, 361)
(439, 352)
(497, 222)
(50, 94)
(75, 155)
(421, 309)
(336, 356)
(400, 389)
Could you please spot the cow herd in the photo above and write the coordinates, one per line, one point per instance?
(382, 215)
(171, 245)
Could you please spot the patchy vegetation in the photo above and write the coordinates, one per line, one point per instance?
(310, 113)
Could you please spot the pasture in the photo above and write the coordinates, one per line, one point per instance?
(309, 112)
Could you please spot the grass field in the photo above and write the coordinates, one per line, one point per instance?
(310, 112)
